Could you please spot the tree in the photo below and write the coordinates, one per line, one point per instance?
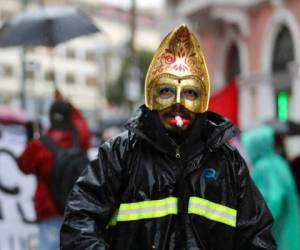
(116, 90)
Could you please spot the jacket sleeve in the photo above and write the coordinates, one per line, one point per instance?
(29, 160)
(254, 221)
(93, 200)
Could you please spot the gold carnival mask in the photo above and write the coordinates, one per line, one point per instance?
(178, 74)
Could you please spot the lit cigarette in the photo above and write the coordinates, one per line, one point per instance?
(179, 121)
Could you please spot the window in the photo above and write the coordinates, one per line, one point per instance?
(232, 66)
(91, 56)
(7, 70)
(70, 78)
(91, 81)
(6, 14)
(283, 52)
(70, 53)
(282, 105)
(30, 74)
(49, 75)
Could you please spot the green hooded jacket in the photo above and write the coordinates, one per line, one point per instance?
(273, 177)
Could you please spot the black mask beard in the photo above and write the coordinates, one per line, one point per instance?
(190, 134)
(177, 133)
(157, 131)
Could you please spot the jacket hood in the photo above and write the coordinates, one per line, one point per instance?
(209, 130)
(258, 142)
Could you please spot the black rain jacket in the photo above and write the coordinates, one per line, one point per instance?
(145, 192)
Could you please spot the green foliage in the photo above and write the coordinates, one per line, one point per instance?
(116, 90)
(144, 60)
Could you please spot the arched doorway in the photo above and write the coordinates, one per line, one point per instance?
(226, 101)
(232, 63)
(283, 54)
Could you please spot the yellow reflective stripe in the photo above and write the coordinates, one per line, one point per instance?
(149, 203)
(212, 211)
(159, 208)
(145, 210)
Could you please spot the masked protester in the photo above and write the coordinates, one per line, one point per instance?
(171, 181)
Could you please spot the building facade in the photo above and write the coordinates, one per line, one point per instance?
(82, 67)
(255, 42)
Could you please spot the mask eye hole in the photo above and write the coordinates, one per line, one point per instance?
(166, 92)
(190, 94)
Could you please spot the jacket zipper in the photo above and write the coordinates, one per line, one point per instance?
(178, 154)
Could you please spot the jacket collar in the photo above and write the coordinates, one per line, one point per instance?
(209, 131)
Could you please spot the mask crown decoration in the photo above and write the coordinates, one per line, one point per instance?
(179, 64)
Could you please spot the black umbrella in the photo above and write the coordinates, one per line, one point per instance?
(46, 26)
(287, 128)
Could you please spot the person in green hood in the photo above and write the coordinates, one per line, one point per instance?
(272, 175)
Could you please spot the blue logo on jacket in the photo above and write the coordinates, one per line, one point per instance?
(210, 174)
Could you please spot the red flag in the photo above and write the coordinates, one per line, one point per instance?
(225, 102)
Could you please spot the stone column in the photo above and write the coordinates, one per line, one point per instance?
(264, 100)
(294, 70)
(293, 142)
(244, 105)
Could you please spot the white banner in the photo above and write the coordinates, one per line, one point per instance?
(17, 216)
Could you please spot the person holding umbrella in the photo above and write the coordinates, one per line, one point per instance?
(47, 26)
(39, 160)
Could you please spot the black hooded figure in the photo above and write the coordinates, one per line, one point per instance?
(60, 115)
(171, 181)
